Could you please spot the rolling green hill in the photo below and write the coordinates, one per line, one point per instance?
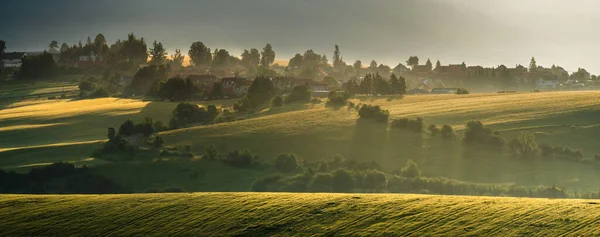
(40, 132)
(283, 214)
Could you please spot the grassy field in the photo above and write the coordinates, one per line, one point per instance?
(43, 131)
(282, 214)
(51, 130)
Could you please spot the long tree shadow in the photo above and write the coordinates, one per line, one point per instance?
(368, 141)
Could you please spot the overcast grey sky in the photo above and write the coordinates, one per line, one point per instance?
(481, 32)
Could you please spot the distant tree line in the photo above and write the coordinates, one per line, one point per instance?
(57, 178)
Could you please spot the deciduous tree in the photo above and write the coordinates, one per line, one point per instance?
(199, 54)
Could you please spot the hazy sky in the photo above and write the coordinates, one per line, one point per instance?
(483, 32)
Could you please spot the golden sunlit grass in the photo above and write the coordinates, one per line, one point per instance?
(28, 126)
(66, 108)
(283, 214)
(40, 127)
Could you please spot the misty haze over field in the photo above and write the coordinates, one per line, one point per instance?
(487, 33)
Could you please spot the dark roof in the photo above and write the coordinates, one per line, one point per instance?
(203, 77)
(13, 55)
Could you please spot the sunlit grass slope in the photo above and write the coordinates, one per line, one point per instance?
(32, 127)
(565, 118)
(265, 214)
(318, 132)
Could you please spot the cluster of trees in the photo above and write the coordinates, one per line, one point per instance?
(57, 178)
(147, 127)
(374, 112)
(408, 179)
(259, 93)
(174, 89)
(118, 148)
(88, 89)
(186, 113)
(415, 125)
(476, 133)
(298, 93)
(201, 57)
(41, 66)
(146, 80)
(375, 84)
(524, 145)
(336, 99)
(288, 162)
(446, 131)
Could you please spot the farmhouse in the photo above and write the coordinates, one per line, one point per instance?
(13, 60)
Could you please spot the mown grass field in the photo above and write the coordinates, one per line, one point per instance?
(283, 214)
(40, 132)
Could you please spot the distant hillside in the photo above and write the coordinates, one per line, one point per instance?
(253, 214)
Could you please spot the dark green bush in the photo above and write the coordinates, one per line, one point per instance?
(462, 91)
(100, 93)
(186, 113)
(433, 130)
(277, 101)
(562, 152)
(523, 145)
(411, 170)
(410, 124)
(288, 162)
(476, 133)
(226, 116)
(267, 184)
(374, 180)
(243, 159)
(158, 142)
(127, 128)
(87, 86)
(321, 182)
(447, 131)
(374, 112)
(299, 93)
(343, 181)
(210, 152)
(336, 99)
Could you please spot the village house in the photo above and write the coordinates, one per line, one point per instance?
(12, 60)
(422, 69)
(204, 82)
(450, 71)
(89, 60)
(288, 83)
(319, 87)
(400, 69)
(519, 73)
(235, 86)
